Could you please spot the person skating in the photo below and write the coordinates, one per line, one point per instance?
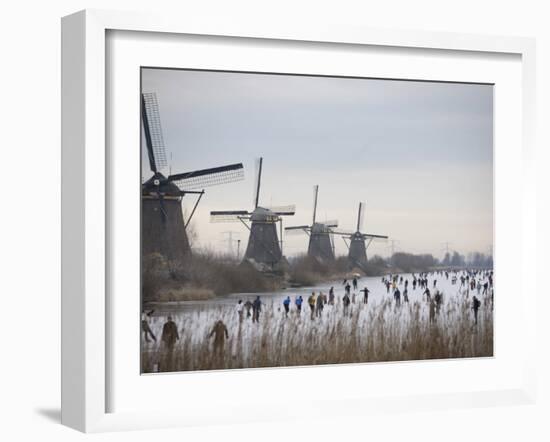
(366, 292)
(476, 303)
(331, 296)
(248, 307)
(438, 300)
(354, 283)
(299, 300)
(397, 297)
(145, 328)
(256, 309)
(240, 310)
(320, 304)
(428, 294)
(286, 305)
(346, 301)
(311, 302)
(220, 333)
(170, 334)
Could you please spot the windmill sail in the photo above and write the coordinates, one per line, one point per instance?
(153, 132)
(199, 179)
(283, 210)
(228, 216)
(361, 217)
(315, 195)
(258, 181)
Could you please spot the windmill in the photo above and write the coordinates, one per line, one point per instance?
(320, 239)
(358, 242)
(163, 228)
(264, 250)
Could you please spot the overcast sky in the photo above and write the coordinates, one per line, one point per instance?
(419, 153)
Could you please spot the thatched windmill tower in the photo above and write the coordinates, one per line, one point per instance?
(358, 242)
(320, 246)
(264, 250)
(163, 229)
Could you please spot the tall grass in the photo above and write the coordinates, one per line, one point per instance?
(371, 332)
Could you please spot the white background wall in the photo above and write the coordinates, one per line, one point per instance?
(30, 216)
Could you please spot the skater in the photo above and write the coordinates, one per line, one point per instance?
(366, 292)
(248, 307)
(405, 295)
(476, 303)
(311, 302)
(240, 310)
(397, 297)
(331, 296)
(256, 309)
(346, 302)
(353, 296)
(320, 305)
(220, 333)
(170, 334)
(354, 283)
(299, 300)
(348, 288)
(145, 328)
(286, 305)
(435, 283)
(428, 294)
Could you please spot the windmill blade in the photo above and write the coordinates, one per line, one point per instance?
(315, 195)
(297, 230)
(153, 131)
(283, 210)
(332, 223)
(257, 181)
(228, 216)
(341, 232)
(361, 217)
(374, 237)
(199, 179)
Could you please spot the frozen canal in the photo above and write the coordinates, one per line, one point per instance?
(378, 330)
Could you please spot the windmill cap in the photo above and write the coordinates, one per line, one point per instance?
(261, 214)
(159, 183)
(319, 228)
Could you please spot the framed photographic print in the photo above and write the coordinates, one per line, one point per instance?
(251, 209)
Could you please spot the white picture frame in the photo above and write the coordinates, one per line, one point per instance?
(86, 200)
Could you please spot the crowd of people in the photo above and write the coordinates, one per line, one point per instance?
(479, 282)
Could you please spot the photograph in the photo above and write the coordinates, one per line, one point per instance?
(303, 220)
